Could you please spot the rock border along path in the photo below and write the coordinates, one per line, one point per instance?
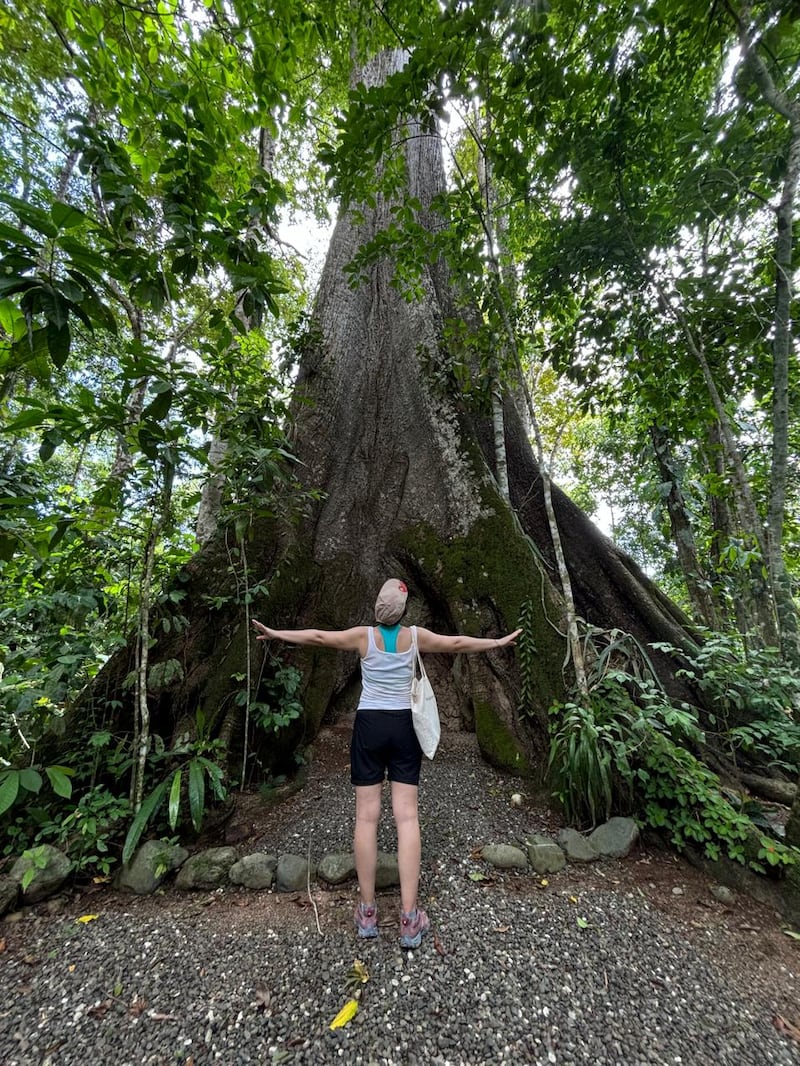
(630, 962)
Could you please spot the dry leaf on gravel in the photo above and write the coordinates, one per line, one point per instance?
(263, 997)
(345, 1015)
(99, 1010)
(137, 1007)
(785, 1026)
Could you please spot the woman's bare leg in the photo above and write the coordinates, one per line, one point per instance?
(365, 838)
(406, 817)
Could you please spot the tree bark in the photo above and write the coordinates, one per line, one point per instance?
(697, 581)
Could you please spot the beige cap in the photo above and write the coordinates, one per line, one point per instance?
(391, 602)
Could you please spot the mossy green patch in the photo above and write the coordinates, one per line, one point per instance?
(497, 743)
(484, 579)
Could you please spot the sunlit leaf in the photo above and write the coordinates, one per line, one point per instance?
(345, 1015)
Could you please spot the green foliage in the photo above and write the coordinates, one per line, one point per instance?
(628, 750)
(277, 704)
(17, 786)
(526, 655)
(584, 755)
(183, 788)
(683, 797)
(37, 860)
(739, 679)
(755, 697)
(89, 832)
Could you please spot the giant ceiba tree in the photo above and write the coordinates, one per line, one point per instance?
(400, 468)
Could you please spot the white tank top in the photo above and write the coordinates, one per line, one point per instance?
(386, 677)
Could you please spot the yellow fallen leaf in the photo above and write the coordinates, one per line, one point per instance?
(71, 967)
(573, 899)
(345, 1015)
(84, 918)
(544, 882)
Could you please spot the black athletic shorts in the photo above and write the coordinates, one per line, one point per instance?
(384, 742)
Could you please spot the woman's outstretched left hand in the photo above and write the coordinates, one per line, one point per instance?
(509, 638)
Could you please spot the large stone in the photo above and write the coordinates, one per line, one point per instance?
(544, 855)
(52, 868)
(337, 867)
(255, 871)
(387, 872)
(577, 847)
(207, 869)
(294, 873)
(505, 856)
(9, 893)
(723, 893)
(615, 838)
(149, 866)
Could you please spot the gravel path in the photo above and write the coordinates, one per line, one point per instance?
(586, 968)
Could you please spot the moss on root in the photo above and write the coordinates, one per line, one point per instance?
(479, 584)
(484, 580)
(497, 743)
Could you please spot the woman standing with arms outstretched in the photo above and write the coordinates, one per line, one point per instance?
(384, 743)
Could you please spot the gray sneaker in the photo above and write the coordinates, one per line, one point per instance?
(413, 928)
(367, 920)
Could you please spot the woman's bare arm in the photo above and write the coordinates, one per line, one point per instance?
(437, 643)
(342, 639)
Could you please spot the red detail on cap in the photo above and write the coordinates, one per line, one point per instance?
(402, 586)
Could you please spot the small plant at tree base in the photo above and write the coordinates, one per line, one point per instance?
(38, 861)
(754, 684)
(90, 834)
(627, 750)
(683, 797)
(278, 704)
(194, 772)
(588, 758)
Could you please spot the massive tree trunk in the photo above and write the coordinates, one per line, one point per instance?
(406, 477)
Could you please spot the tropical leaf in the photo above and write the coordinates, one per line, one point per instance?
(175, 798)
(197, 793)
(59, 777)
(9, 789)
(143, 816)
(30, 779)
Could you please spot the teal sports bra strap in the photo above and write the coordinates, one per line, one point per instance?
(389, 634)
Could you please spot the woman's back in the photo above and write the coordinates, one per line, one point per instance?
(386, 675)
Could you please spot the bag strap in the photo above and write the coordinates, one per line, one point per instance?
(418, 657)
